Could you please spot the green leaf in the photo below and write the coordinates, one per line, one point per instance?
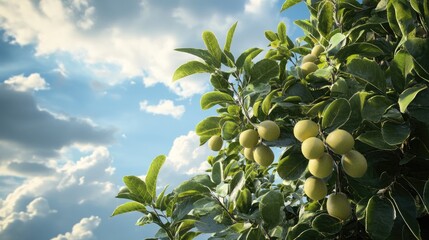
(426, 193)
(266, 104)
(160, 200)
(208, 127)
(289, 3)
(138, 187)
(129, 207)
(391, 17)
(325, 18)
(212, 45)
(400, 67)
(292, 165)
(191, 68)
(236, 184)
(308, 28)
(229, 130)
(310, 234)
(362, 48)
(419, 49)
(379, 217)
(229, 37)
(395, 133)
(190, 188)
(404, 16)
(217, 172)
(201, 53)
(147, 219)
(152, 174)
(281, 29)
(408, 95)
(368, 71)
(326, 224)
(375, 107)
(336, 113)
(375, 139)
(405, 205)
(248, 54)
(336, 42)
(270, 207)
(263, 71)
(210, 99)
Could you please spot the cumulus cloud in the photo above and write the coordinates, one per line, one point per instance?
(20, 83)
(164, 107)
(82, 230)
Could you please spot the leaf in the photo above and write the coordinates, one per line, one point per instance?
(369, 71)
(248, 54)
(229, 37)
(326, 224)
(404, 17)
(263, 71)
(138, 187)
(210, 99)
(217, 172)
(190, 188)
(266, 104)
(375, 107)
(129, 207)
(152, 174)
(379, 217)
(208, 127)
(408, 95)
(395, 133)
(229, 130)
(191, 68)
(391, 17)
(336, 113)
(406, 207)
(336, 42)
(362, 48)
(281, 29)
(308, 28)
(325, 18)
(270, 207)
(310, 234)
(426, 193)
(201, 53)
(160, 200)
(419, 49)
(213, 46)
(400, 67)
(375, 139)
(293, 165)
(236, 184)
(289, 3)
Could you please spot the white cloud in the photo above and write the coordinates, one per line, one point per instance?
(20, 83)
(164, 107)
(82, 230)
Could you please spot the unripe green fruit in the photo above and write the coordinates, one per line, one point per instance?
(307, 68)
(309, 58)
(305, 129)
(269, 130)
(340, 141)
(315, 188)
(312, 148)
(317, 50)
(248, 153)
(263, 155)
(215, 143)
(321, 167)
(339, 206)
(354, 164)
(249, 138)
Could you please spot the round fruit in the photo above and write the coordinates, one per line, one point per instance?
(321, 167)
(249, 138)
(312, 148)
(315, 188)
(309, 58)
(308, 68)
(248, 153)
(305, 129)
(268, 130)
(340, 141)
(339, 206)
(215, 143)
(263, 155)
(354, 164)
(317, 50)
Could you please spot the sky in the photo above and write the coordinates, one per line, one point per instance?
(86, 97)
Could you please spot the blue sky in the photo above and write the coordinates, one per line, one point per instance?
(86, 98)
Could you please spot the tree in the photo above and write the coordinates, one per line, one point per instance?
(361, 68)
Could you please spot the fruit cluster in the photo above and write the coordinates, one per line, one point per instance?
(308, 63)
(321, 163)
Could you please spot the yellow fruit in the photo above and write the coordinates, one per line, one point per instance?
(249, 138)
(305, 129)
(269, 130)
(354, 164)
(215, 143)
(339, 206)
(315, 188)
(248, 153)
(340, 141)
(307, 68)
(321, 167)
(317, 50)
(309, 58)
(312, 148)
(263, 155)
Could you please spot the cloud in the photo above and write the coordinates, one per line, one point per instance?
(164, 107)
(20, 83)
(82, 230)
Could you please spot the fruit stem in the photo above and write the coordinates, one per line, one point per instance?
(338, 182)
(241, 103)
